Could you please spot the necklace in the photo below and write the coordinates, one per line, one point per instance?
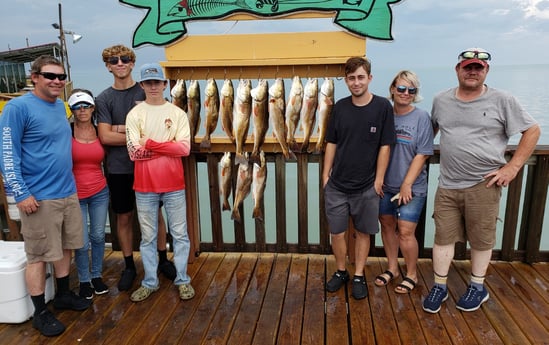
(85, 134)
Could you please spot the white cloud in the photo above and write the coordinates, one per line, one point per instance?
(535, 8)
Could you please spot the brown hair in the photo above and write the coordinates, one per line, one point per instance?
(355, 63)
(117, 50)
(42, 61)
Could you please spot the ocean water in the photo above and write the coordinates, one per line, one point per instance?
(529, 83)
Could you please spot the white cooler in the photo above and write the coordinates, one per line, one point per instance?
(15, 302)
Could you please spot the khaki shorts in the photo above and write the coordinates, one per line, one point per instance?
(57, 225)
(467, 214)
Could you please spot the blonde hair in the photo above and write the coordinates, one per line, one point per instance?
(411, 78)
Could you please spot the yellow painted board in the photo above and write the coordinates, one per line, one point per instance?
(217, 49)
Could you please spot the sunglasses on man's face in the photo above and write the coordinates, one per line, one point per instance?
(52, 76)
(81, 106)
(402, 89)
(485, 56)
(113, 60)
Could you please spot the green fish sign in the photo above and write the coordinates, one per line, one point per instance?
(165, 20)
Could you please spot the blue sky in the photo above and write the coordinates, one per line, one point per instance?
(426, 32)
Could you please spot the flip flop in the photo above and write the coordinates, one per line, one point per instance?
(383, 278)
(406, 286)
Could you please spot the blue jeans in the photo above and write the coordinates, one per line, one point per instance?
(175, 206)
(96, 206)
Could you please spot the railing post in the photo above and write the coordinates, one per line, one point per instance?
(537, 209)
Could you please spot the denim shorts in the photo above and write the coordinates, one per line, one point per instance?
(410, 212)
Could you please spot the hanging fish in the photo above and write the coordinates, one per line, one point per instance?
(211, 106)
(260, 111)
(193, 104)
(241, 117)
(325, 105)
(259, 181)
(243, 185)
(225, 179)
(179, 94)
(276, 116)
(308, 111)
(293, 109)
(226, 108)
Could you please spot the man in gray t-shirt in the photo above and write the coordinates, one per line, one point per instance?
(475, 123)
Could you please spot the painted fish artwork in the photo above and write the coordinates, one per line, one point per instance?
(166, 20)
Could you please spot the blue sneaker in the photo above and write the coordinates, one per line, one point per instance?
(472, 299)
(434, 300)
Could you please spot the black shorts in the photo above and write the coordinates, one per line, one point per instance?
(122, 193)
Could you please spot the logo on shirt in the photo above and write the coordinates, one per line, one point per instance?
(168, 123)
(373, 129)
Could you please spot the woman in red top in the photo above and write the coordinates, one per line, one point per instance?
(93, 193)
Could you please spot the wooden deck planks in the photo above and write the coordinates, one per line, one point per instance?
(261, 298)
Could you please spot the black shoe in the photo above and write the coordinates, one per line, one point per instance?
(47, 324)
(70, 300)
(86, 290)
(167, 268)
(359, 290)
(126, 281)
(99, 287)
(338, 280)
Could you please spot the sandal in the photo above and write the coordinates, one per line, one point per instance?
(384, 278)
(406, 286)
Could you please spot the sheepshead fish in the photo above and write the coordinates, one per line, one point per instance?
(293, 109)
(260, 110)
(226, 180)
(226, 108)
(211, 106)
(179, 94)
(258, 186)
(193, 104)
(308, 111)
(276, 116)
(243, 186)
(325, 105)
(241, 117)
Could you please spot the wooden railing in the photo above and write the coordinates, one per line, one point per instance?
(523, 218)
(524, 212)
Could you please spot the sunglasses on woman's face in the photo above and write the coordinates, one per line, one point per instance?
(402, 89)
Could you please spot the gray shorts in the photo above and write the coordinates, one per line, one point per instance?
(55, 226)
(362, 207)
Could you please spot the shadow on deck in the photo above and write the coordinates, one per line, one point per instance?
(249, 298)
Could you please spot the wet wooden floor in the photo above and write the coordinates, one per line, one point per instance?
(244, 298)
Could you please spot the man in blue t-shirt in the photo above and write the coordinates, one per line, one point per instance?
(37, 167)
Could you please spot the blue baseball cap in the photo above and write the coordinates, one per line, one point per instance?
(152, 71)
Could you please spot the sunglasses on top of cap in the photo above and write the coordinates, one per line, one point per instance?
(485, 56)
(113, 60)
(53, 76)
(402, 89)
